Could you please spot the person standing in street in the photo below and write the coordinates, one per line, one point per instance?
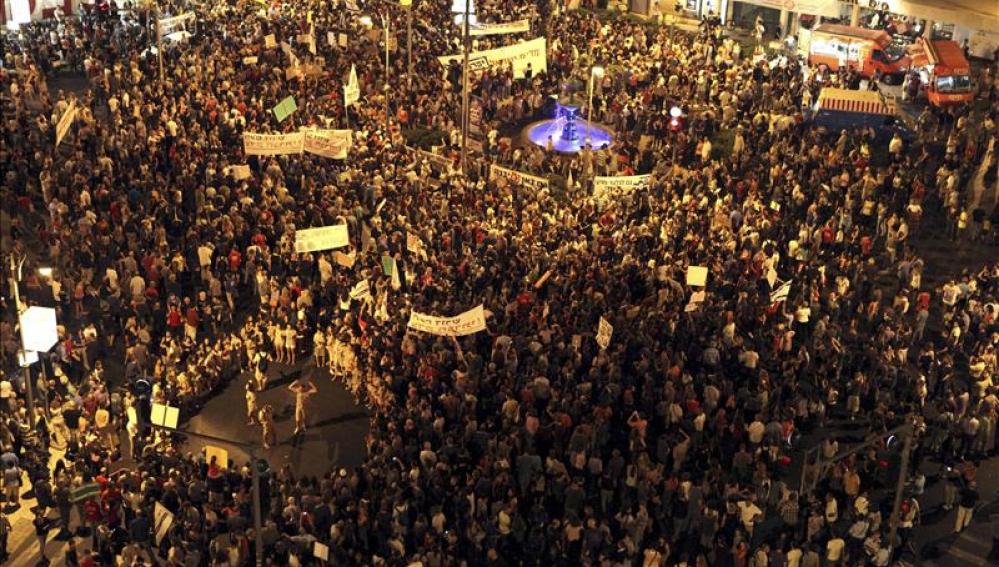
(5, 529)
(41, 524)
(303, 389)
(966, 507)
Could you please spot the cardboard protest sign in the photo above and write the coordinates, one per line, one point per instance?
(321, 238)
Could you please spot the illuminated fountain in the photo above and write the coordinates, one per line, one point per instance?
(568, 133)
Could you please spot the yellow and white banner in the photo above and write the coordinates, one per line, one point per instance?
(65, 121)
(520, 26)
(605, 188)
(517, 178)
(328, 143)
(321, 238)
(519, 55)
(468, 323)
(272, 144)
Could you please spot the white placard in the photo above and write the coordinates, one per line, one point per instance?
(250, 60)
(39, 330)
(321, 551)
(533, 52)
(469, 322)
(162, 520)
(240, 172)
(361, 291)
(697, 276)
(321, 238)
(270, 42)
(352, 90)
(175, 23)
(65, 121)
(164, 415)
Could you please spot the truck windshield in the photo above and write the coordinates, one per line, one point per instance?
(954, 84)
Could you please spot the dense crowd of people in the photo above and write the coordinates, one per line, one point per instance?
(528, 443)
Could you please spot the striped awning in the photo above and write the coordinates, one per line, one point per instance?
(843, 100)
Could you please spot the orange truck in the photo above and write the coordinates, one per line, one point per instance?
(943, 71)
(867, 51)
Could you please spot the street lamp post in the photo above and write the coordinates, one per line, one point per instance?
(15, 268)
(464, 88)
(675, 113)
(385, 23)
(595, 73)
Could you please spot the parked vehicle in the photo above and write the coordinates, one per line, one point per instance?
(842, 109)
(870, 52)
(943, 70)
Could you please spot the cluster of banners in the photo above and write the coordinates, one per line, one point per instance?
(176, 23)
(327, 143)
(520, 26)
(606, 188)
(65, 121)
(468, 323)
(518, 55)
(321, 238)
(517, 178)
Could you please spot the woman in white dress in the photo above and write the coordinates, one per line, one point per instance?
(290, 336)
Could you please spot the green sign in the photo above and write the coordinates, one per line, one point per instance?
(285, 108)
(85, 492)
(387, 265)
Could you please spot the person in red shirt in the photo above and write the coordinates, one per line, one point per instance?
(174, 319)
(191, 319)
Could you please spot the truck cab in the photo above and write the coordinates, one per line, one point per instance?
(870, 52)
(944, 72)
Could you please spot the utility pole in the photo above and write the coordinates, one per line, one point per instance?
(464, 91)
(409, 43)
(29, 394)
(388, 119)
(159, 39)
(903, 474)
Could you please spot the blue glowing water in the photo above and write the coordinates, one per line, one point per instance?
(584, 132)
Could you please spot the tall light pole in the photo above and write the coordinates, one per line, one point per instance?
(15, 269)
(464, 85)
(408, 5)
(596, 72)
(159, 38)
(388, 119)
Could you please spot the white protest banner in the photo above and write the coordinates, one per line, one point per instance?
(65, 121)
(519, 55)
(272, 144)
(517, 178)
(697, 276)
(341, 40)
(437, 161)
(240, 172)
(270, 41)
(605, 188)
(331, 38)
(162, 520)
(352, 90)
(781, 293)
(519, 26)
(327, 143)
(361, 291)
(175, 23)
(604, 332)
(469, 322)
(250, 60)
(321, 238)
